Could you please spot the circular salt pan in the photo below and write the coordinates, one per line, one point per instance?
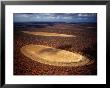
(53, 56)
(48, 34)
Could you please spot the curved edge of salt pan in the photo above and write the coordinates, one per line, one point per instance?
(53, 56)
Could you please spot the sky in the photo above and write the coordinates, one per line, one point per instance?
(55, 17)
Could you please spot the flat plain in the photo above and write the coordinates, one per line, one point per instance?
(68, 39)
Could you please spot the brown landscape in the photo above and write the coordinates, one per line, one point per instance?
(59, 49)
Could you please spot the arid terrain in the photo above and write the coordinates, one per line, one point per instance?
(72, 38)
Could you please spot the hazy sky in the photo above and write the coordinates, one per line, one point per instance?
(55, 17)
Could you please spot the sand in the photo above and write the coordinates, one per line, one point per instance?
(48, 34)
(53, 56)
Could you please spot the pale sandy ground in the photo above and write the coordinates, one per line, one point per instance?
(48, 34)
(53, 56)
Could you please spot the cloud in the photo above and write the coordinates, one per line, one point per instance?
(61, 17)
(67, 18)
(80, 14)
(87, 14)
(21, 15)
